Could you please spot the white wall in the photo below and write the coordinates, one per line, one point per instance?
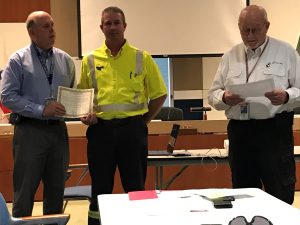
(210, 66)
(284, 17)
(13, 36)
(168, 27)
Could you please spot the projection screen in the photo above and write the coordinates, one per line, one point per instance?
(168, 27)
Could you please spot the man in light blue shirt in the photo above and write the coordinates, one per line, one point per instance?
(40, 144)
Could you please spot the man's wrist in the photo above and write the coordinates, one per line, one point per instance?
(223, 98)
(287, 97)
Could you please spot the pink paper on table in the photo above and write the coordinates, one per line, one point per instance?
(140, 195)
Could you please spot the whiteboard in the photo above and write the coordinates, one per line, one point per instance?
(284, 17)
(168, 27)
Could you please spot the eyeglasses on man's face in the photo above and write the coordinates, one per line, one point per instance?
(253, 31)
(256, 220)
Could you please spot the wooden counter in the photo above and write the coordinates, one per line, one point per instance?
(77, 129)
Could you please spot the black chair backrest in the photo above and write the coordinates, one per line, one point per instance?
(297, 110)
(169, 114)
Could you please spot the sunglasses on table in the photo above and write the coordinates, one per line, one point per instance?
(256, 220)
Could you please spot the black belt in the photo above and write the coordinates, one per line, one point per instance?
(40, 122)
(116, 122)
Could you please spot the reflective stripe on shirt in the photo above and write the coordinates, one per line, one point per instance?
(120, 107)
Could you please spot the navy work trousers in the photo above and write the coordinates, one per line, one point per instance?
(121, 143)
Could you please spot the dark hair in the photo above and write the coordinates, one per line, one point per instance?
(29, 23)
(114, 9)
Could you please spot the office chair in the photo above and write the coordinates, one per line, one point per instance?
(296, 110)
(169, 114)
(77, 192)
(7, 219)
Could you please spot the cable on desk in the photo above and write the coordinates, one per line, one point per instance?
(212, 157)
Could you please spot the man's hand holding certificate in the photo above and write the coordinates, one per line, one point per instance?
(77, 102)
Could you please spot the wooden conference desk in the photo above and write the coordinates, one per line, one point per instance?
(188, 207)
(208, 134)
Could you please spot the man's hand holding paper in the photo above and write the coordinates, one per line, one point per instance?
(89, 119)
(236, 93)
(261, 88)
(253, 89)
(232, 99)
(277, 96)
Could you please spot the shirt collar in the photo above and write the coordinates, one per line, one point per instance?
(257, 51)
(42, 52)
(108, 52)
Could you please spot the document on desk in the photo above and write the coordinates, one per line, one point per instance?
(253, 89)
(77, 102)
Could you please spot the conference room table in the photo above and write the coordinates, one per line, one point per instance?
(197, 157)
(190, 207)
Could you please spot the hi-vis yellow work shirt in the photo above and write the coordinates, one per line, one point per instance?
(123, 84)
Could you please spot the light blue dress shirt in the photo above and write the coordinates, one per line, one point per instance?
(25, 86)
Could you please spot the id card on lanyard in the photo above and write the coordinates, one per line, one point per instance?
(48, 72)
(244, 111)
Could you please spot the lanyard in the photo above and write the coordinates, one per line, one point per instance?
(248, 74)
(48, 73)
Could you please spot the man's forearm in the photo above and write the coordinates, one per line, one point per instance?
(154, 107)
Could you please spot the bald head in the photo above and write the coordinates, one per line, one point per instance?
(253, 11)
(33, 18)
(40, 27)
(253, 25)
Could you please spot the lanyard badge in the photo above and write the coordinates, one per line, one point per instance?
(244, 111)
(48, 72)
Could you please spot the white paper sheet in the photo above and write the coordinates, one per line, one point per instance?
(253, 89)
(77, 102)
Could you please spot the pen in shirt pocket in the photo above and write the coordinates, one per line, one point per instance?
(99, 68)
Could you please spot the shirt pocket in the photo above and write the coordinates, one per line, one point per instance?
(234, 76)
(138, 82)
(275, 71)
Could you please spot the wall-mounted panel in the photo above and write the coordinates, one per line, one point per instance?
(16, 11)
(64, 13)
(187, 73)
